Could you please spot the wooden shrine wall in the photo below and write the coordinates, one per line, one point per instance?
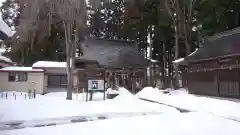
(203, 83)
(219, 77)
(229, 82)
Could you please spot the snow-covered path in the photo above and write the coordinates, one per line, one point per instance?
(165, 124)
(221, 107)
(11, 125)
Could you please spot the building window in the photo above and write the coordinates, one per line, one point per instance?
(17, 76)
(57, 80)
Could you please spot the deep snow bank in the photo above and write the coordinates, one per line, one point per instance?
(220, 107)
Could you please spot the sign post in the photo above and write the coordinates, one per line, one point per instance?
(96, 86)
(93, 80)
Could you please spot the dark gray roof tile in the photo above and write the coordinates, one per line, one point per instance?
(112, 53)
(220, 45)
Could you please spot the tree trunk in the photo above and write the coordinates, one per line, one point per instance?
(176, 79)
(188, 48)
(170, 70)
(164, 66)
(68, 35)
(70, 81)
(150, 76)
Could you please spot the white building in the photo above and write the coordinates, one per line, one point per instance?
(43, 76)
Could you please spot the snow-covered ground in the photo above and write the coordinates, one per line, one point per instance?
(52, 106)
(165, 124)
(125, 114)
(223, 107)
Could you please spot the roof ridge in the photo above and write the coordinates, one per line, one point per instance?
(111, 40)
(223, 34)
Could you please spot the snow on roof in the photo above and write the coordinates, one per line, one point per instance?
(5, 28)
(152, 60)
(182, 59)
(178, 60)
(193, 52)
(26, 69)
(5, 59)
(49, 64)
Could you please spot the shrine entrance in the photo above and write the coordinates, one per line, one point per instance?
(92, 81)
(133, 80)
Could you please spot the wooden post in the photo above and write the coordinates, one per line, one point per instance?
(105, 81)
(34, 93)
(83, 93)
(238, 71)
(87, 95)
(29, 94)
(217, 82)
(124, 78)
(77, 93)
(133, 82)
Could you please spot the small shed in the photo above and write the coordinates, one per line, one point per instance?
(21, 79)
(55, 75)
(214, 69)
(118, 62)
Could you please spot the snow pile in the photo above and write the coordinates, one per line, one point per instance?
(49, 64)
(150, 93)
(122, 90)
(126, 101)
(220, 107)
(124, 95)
(178, 92)
(119, 90)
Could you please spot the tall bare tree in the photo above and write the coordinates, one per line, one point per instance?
(181, 12)
(182, 16)
(70, 13)
(73, 17)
